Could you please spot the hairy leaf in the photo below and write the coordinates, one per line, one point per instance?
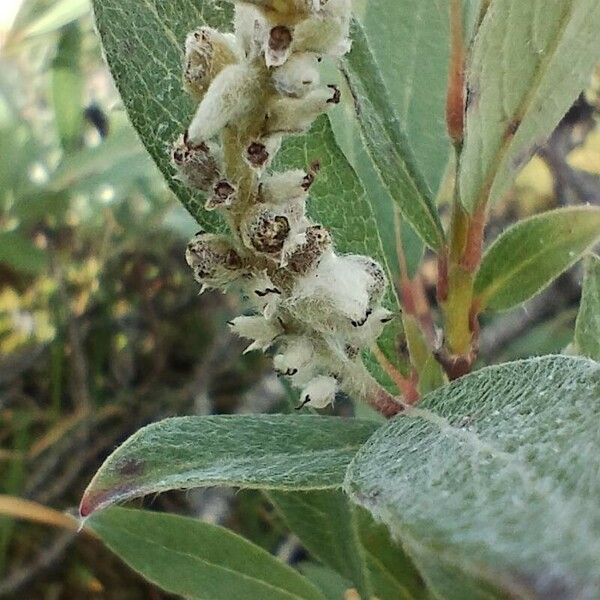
(196, 560)
(387, 144)
(530, 60)
(143, 43)
(587, 328)
(326, 525)
(492, 483)
(256, 451)
(348, 541)
(410, 43)
(529, 255)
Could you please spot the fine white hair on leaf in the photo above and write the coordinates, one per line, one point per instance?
(296, 115)
(233, 94)
(320, 392)
(298, 76)
(257, 328)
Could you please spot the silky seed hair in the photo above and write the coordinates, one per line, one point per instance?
(316, 309)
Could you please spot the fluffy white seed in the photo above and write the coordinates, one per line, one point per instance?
(297, 361)
(326, 32)
(296, 115)
(197, 166)
(333, 294)
(320, 392)
(298, 76)
(207, 53)
(234, 94)
(280, 188)
(213, 260)
(262, 331)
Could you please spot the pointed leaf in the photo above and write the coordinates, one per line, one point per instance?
(325, 523)
(587, 328)
(529, 255)
(196, 560)
(492, 483)
(67, 88)
(255, 451)
(529, 62)
(348, 541)
(410, 43)
(387, 144)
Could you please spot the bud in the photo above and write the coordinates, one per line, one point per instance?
(319, 393)
(213, 260)
(207, 53)
(233, 95)
(296, 115)
(256, 328)
(197, 166)
(298, 76)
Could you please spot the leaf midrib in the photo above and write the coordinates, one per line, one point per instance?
(499, 282)
(522, 110)
(210, 564)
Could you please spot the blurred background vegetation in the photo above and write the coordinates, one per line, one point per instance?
(101, 327)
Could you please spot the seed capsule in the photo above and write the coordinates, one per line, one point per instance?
(319, 393)
(207, 53)
(298, 76)
(197, 166)
(224, 195)
(265, 230)
(311, 245)
(235, 94)
(278, 46)
(213, 260)
(296, 115)
(256, 328)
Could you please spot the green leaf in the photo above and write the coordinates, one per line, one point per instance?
(333, 585)
(387, 144)
(143, 44)
(587, 328)
(326, 525)
(393, 573)
(528, 256)
(348, 541)
(67, 88)
(57, 15)
(529, 62)
(284, 452)
(196, 560)
(409, 40)
(492, 483)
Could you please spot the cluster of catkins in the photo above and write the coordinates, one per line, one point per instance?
(315, 308)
